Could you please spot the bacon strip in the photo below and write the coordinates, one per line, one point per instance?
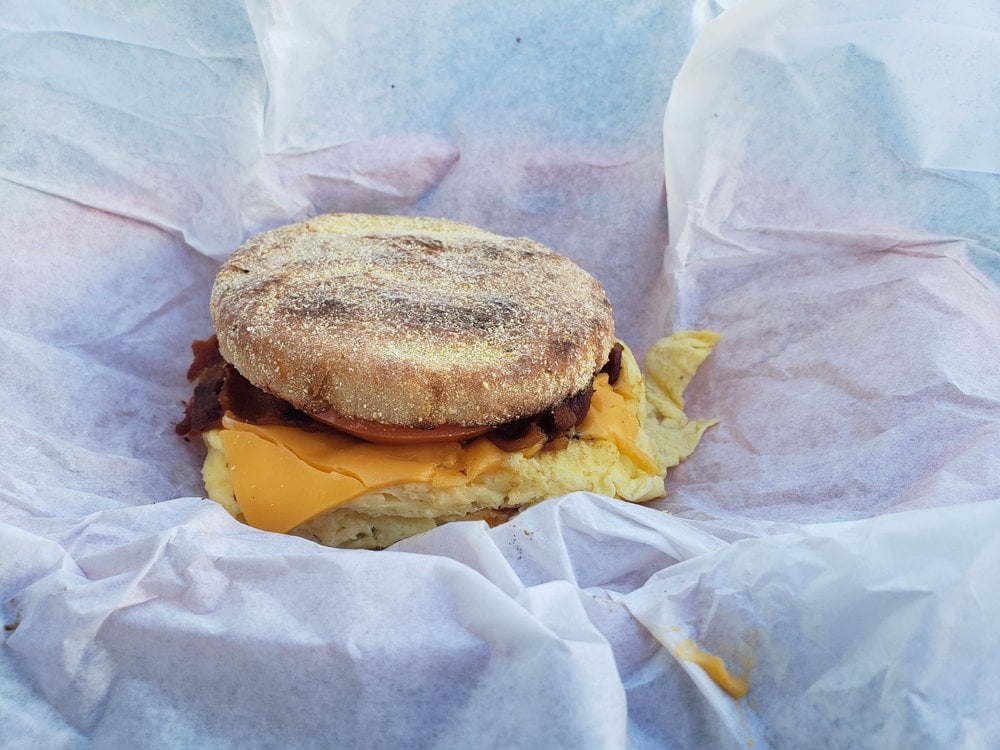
(220, 388)
(203, 411)
(613, 367)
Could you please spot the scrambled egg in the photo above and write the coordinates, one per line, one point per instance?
(345, 493)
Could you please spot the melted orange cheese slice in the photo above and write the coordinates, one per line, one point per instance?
(613, 417)
(283, 476)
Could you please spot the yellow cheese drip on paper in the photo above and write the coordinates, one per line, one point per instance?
(714, 667)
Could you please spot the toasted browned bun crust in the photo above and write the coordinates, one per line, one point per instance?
(410, 321)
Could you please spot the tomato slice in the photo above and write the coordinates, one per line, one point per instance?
(390, 434)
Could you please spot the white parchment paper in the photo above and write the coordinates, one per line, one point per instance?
(817, 181)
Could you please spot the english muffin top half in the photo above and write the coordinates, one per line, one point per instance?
(410, 321)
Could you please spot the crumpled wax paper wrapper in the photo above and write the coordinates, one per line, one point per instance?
(831, 182)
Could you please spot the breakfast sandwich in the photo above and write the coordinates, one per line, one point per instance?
(371, 377)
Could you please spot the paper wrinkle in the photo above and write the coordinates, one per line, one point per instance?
(469, 544)
(550, 544)
(101, 167)
(838, 330)
(382, 174)
(879, 126)
(138, 574)
(380, 165)
(845, 653)
(183, 32)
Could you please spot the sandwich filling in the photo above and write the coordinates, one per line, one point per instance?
(221, 389)
(277, 469)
